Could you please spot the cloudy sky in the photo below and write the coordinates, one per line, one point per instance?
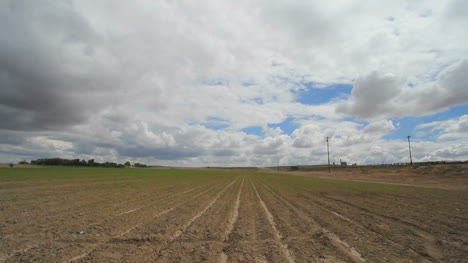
(229, 83)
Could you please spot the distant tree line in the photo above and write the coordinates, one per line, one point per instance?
(78, 162)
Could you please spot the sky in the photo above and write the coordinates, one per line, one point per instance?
(234, 83)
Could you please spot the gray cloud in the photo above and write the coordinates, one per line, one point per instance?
(384, 95)
(452, 153)
(379, 128)
(308, 136)
(117, 80)
(452, 129)
(43, 67)
(450, 89)
(372, 95)
(269, 146)
(175, 153)
(12, 137)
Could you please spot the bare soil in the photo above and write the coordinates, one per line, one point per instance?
(249, 217)
(444, 176)
(7, 165)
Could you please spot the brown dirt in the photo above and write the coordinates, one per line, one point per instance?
(5, 165)
(248, 218)
(444, 176)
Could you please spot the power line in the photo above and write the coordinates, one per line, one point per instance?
(409, 147)
(328, 153)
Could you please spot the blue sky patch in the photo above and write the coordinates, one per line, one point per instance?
(408, 124)
(288, 126)
(362, 124)
(314, 96)
(254, 130)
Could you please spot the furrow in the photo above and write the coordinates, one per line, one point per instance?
(430, 240)
(96, 230)
(73, 218)
(232, 220)
(181, 230)
(278, 235)
(123, 233)
(234, 215)
(152, 203)
(340, 244)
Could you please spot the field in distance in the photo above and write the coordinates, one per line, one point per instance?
(156, 215)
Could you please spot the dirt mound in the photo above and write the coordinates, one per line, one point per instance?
(447, 176)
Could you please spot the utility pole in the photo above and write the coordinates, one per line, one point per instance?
(278, 164)
(409, 147)
(328, 153)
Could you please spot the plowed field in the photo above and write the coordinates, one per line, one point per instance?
(138, 215)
